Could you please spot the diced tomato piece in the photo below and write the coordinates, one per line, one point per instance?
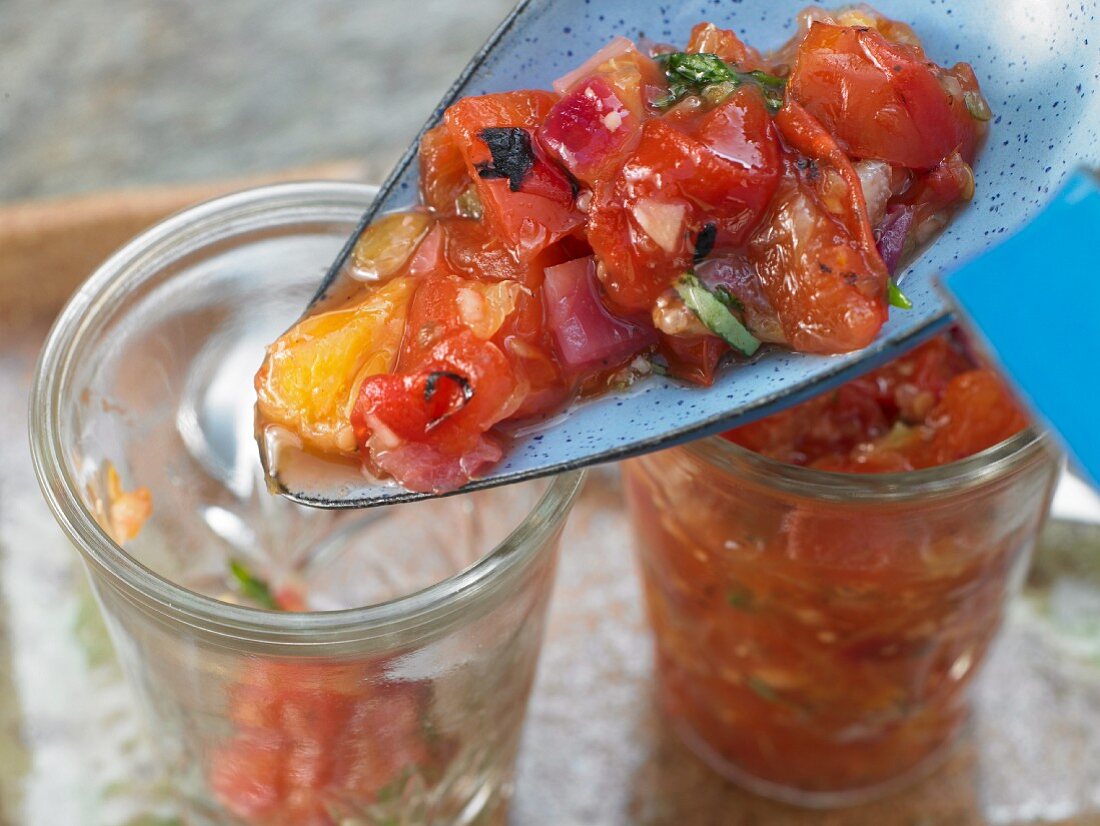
(948, 183)
(585, 332)
(884, 100)
(644, 222)
(706, 38)
(445, 304)
(473, 251)
(443, 173)
(310, 375)
(977, 411)
(527, 341)
(933, 193)
(530, 204)
(590, 130)
(410, 405)
(461, 386)
(820, 267)
(806, 135)
(312, 738)
(739, 134)
(469, 116)
(504, 310)
(693, 358)
(247, 776)
(828, 292)
(290, 598)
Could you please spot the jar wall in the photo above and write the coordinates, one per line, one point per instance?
(821, 649)
(425, 731)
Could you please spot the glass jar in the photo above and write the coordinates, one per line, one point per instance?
(407, 710)
(817, 632)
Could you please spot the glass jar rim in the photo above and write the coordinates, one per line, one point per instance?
(207, 223)
(980, 468)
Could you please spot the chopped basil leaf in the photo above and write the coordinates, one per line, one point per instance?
(512, 154)
(897, 297)
(765, 691)
(693, 73)
(252, 587)
(740, 599)
(723, 294)
(393, 790)
(774, 82)
(715, 315)
(762, 689)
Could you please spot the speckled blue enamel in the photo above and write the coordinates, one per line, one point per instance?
(1039, 65)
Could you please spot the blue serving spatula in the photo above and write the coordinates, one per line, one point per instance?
(1034, 303)
(1047, 123)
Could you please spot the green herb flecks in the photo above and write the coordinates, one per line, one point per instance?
(723, 294)
(896, 297)
(762, 690)
(740, 598)
(695, 73)
(766, 692)
(715, 314)
(252, 587)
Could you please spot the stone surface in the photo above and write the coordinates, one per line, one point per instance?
(106, 93)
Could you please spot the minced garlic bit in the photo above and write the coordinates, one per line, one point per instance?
(662, 222)
(625, 377)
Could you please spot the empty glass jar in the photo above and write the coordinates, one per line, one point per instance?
(395, 688)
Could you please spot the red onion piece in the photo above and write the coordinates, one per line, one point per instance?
(586, 333)
(426, 469)
(589, 129)
(891, 235)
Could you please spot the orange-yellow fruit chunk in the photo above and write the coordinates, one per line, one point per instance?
(311, 374)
